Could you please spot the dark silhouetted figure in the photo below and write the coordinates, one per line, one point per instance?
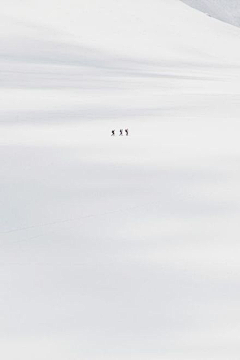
(113, 133)
(121, 132)
(126, 132)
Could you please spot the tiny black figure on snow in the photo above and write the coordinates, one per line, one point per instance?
(126, 132)
(113, 132)
(121, 132)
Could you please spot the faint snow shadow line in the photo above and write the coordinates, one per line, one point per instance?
(171, 201)
(91, 113)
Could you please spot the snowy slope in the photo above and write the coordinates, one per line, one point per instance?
(123, 29)
(122, 248)
(225, 10)
(79, 45)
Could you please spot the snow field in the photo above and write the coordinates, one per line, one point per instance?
(126, 247)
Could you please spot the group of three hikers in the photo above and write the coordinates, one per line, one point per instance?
(121, 132)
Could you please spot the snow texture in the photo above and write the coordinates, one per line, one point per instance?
(118, 248)
(225, 10)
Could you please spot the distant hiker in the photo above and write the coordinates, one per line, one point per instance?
(121, 132)
(126, 131)
(113, 132)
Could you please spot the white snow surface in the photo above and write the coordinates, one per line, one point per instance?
(118, 248)
(225, 10)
